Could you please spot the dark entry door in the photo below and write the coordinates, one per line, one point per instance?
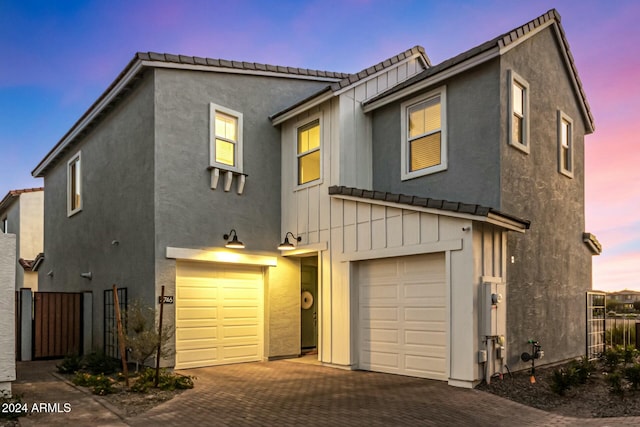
(309, 306)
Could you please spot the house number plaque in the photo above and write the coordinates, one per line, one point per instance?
(168, 299)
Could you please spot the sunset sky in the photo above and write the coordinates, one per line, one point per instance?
(59, 56)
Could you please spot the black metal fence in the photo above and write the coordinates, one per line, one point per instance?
(110, 321)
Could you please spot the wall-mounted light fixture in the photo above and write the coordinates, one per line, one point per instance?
(86, 275)
(286, 245)
(233, 243)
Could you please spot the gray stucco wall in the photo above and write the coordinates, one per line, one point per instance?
(472, 175)
(117, 204)
(7, 311)
(552, 266)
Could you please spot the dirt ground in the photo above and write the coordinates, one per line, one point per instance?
(591, 400)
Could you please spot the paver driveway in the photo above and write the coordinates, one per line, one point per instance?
(289, 393)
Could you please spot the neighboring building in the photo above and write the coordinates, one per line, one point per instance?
(625, 297)
(404, 192)
(22, 214)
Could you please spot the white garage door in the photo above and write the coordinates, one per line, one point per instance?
(219, 314)
(402, 316)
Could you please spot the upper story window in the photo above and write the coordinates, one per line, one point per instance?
(74, 185)
(518, 112)
(424, 141)
(308, 152)
(565, 144)
(5, 225)
(226, 138)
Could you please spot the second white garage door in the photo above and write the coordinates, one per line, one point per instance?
(219, 314)
(402, 316)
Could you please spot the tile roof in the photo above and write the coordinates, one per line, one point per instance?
(500, 42)
(10, 197)
(424, 202)
(236, 65)
(354, 78)
(136, 67)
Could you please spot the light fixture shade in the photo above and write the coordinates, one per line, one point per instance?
(287, 245)
(233, 243)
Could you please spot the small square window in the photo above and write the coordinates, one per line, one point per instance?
(565, 144)
(226, 138)
(74, 185)
(308, 153)
(5, 225)
(518, 112)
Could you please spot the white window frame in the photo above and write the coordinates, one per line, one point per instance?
(562, 117)
(302, 123)
(404, 135)
(76, 158)
(213, 108)
(514, 78)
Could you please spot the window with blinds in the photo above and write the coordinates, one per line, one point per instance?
(424, 134)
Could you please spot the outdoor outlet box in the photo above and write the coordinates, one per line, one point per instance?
(500, 353)
(482, 356)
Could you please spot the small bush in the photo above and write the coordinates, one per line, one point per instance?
(615, 383)
(612, 357)
(562, 380)
(70, 364)
(632, 374)
(629, 354)
(584, 368)
(99, 384)
(100, 363)
(166, 381)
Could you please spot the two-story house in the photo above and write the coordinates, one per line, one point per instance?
(431, 217)
(22, 214)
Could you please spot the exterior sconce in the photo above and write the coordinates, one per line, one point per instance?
(286, 245)
(87, 275)
(233, 243)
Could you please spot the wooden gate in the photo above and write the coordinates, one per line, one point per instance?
(57, 326)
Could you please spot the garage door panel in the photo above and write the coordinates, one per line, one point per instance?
(241, 331)
(423, 290)
(380, 335)
(384, 292)
(402, 316)
(424, 314)
(219, 314)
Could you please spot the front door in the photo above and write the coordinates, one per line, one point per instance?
(309, 307)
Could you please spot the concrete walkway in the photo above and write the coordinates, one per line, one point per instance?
(284, 393)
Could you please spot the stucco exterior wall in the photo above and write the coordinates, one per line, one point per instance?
(113, 236)
(189, 214)
(551, 268)
(473, 172)
(7, 311)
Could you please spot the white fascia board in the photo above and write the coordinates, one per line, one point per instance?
(302, 107)
(95, 111)
(214, 69)
(423, 248)
(221, 256)
(435, 79)
(505, 222)
(384, 70)
(306, 249)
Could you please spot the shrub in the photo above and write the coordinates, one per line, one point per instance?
(142, 333)
(629, 354)
(166, 381)
(612, 357)
(615, 383)
(99, 384)
(632, 374)
(70, 364)
(100, 363)
(584, 368)
(562, 380)
(620, 334)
